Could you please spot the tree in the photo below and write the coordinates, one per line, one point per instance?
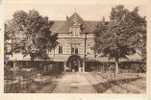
(34, 31)
(121, 38)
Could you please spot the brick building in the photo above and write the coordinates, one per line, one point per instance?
(76, 40)
(75, 37)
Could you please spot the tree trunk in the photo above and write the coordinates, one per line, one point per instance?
(14, 69)
(116, 67)
(54, 53)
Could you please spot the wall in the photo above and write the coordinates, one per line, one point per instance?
(65, 40)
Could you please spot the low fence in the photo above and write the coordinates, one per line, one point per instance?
(130, 66)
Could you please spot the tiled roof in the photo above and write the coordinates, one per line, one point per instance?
(61, 26)
(91, 25)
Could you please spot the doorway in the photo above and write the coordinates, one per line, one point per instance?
(74, 63)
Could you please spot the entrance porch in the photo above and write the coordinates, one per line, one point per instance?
(74, 64)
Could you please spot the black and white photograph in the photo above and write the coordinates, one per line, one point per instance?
(95, 48)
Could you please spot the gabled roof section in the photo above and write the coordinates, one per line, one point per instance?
(62, 27)
(75, 18)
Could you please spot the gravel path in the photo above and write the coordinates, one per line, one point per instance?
(74, 83)
(93, 82)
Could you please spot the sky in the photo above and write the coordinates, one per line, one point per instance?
(59, 9)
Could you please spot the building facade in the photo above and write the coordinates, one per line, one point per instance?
(76, 40)
(75, 37)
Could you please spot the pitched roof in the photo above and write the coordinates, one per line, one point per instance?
(75, 18)
(61, 26)
(91, 25)
(57, 26)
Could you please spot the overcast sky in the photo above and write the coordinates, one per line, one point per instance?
(59, 9)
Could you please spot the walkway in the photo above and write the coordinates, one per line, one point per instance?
(74, 83)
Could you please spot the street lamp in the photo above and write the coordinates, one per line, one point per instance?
(84, 60)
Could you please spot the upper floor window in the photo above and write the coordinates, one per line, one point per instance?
(75, 30)
(60, 50)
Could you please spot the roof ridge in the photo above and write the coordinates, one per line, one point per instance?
(91, 21)
(57, 20)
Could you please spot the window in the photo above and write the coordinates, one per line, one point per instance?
(72, 50)
(60, 50)
(76, 51)
(75, 31)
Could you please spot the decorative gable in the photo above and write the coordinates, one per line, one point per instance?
(72, 22)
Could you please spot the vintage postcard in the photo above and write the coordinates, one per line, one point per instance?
(75, 48)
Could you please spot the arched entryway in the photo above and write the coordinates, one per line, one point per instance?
(74, 63)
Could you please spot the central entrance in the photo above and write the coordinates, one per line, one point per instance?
(74, 63)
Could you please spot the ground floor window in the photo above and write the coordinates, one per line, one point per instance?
(74, 50)
(60, 49)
